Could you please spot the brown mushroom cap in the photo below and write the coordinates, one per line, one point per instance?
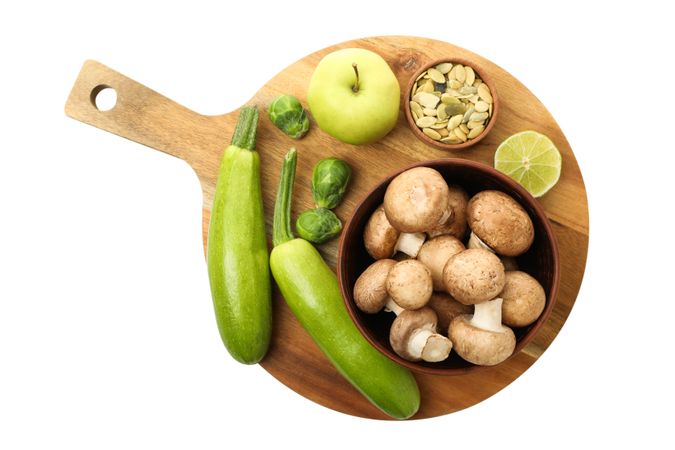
(500, 222)
(405, 325)
(478, 346)
(379, 236)
(417, 200)
(447, 308)
(435, 253)
(370, 289)
(524, 299)
(474, 276)
(456, 226)
(409, 284)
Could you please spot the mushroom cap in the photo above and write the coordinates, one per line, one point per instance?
(417, 200)
(435, 253)
(447, 308)
(370, 289)
(457, 225)
(379, 236)
(478, 346)
(405, 325)
(409, 284)
(499, 221)
(524, 299)
(474, 276)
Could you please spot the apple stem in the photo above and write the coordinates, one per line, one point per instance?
(355, 88)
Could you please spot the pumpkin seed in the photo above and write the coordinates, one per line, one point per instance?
(436, 75)
(420, 76)
(416, 108)
(441, 112)
(426, 99)
(460, 134)
(453, 71)
(470, 76)
(443, 132)
(460, 74)
(471, 124)
(429, 111)
(424, 122)
(428, 86)
(415, 116)
(484, 93)
(454, 109)
(475, 132)
(433, 134)
(449, 99)
(444, 67)
(455, 121)
(467, 114)
(454, 84)
(463, 127)
(478, 116)
(439, 125)
(482, 106)
(467, 90)
(451, 139)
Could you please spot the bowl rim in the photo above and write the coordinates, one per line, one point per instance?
(539, 211)
(487, 79)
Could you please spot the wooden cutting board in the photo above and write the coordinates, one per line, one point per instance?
(147, 117)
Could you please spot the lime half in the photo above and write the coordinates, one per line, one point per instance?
(531, 159)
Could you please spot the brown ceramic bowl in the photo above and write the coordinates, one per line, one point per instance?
(541, 260)
(480, 73)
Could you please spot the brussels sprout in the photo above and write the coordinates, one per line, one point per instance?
(288, 115)
(318, 225)
(329, 182)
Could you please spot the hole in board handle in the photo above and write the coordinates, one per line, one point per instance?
(103, 97)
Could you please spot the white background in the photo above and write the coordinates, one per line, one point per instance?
(107, 337)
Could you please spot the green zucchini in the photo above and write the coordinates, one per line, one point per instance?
(311, 291)
(237, 254)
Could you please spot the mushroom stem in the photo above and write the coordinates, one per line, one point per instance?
(488, 315)
(410, 243)
(391, 306)
(445, 218)
(476, 242)
(430, 346)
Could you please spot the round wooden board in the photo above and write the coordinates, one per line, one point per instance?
(151, 119)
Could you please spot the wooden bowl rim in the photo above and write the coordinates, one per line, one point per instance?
(524, 194)
(487, 79)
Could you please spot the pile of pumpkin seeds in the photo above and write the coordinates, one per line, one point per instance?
(449, 103)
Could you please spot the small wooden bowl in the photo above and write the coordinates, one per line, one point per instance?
(480, 73)
(541, 260)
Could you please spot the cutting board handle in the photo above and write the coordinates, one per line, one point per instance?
(140, 114)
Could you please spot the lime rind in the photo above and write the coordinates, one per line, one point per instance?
(531, 159)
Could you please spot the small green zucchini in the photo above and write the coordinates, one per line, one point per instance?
(237, 255)
(311, 291)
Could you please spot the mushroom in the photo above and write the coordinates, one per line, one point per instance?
(409, 284)
(417, 200)
(499, 223)
(474, 276)
(447, 308)
(456, 226)
(524, 299)
(382, 240)
(481, 338)
(370, 289)
(435, 253)
(413, 336)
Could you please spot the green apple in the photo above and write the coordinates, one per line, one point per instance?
(354, 96)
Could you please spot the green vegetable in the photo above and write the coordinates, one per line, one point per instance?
(318, 225)
(237, 255)
(311, 291)
(329, 182)
(289, 116)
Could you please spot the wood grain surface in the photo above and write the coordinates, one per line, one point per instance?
(147, 117)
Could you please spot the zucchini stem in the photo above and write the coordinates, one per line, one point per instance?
(247, 124)
(281, 229)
